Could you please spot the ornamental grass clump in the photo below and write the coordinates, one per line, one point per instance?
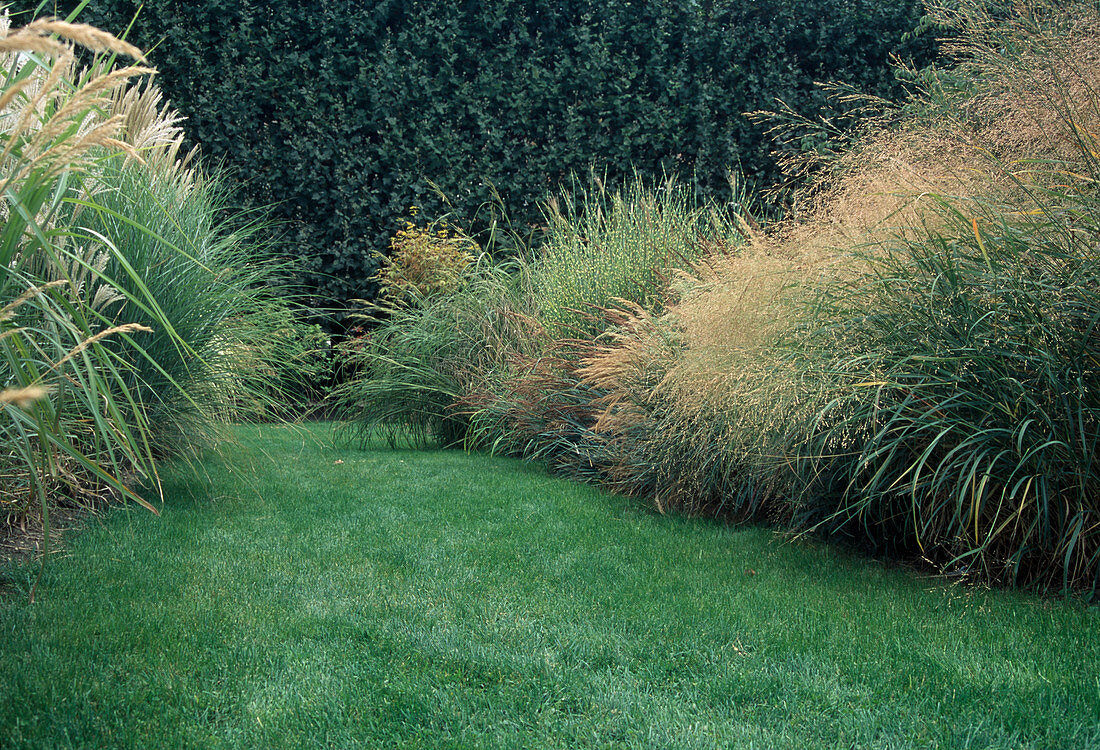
(604, 251)
(659, 443)
(419, 353)
(961, 416)
(119, 281)
(604, 245)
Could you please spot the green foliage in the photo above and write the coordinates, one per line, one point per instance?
(603, 246)
(293, 362)
(418, 359)
(344, 113)
(120, 282)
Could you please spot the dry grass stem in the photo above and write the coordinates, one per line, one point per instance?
(21, 41)
(9, 309)
(16, 89)
(125, 328)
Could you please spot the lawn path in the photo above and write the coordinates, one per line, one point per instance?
(293, 594)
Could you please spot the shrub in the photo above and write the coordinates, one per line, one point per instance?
(424, 261)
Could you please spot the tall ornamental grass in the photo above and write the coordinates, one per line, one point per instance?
(420, 352)
(966, 416)
(602, 246)
(667, 438)
(64, 389)
(119, 287)
(959, 418)
(604, 253)
(215, 323)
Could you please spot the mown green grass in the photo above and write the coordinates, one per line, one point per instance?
(436, 599)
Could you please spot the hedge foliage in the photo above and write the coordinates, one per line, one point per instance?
(344, 112)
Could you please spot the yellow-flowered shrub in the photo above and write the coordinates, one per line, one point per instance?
(424, 261)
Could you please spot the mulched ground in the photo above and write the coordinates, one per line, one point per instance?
(21, 537)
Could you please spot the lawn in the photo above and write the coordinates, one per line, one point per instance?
(293, 594)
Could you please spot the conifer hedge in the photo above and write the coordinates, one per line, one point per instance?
(343, 112)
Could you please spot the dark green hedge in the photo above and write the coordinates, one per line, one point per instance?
(343, 111)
